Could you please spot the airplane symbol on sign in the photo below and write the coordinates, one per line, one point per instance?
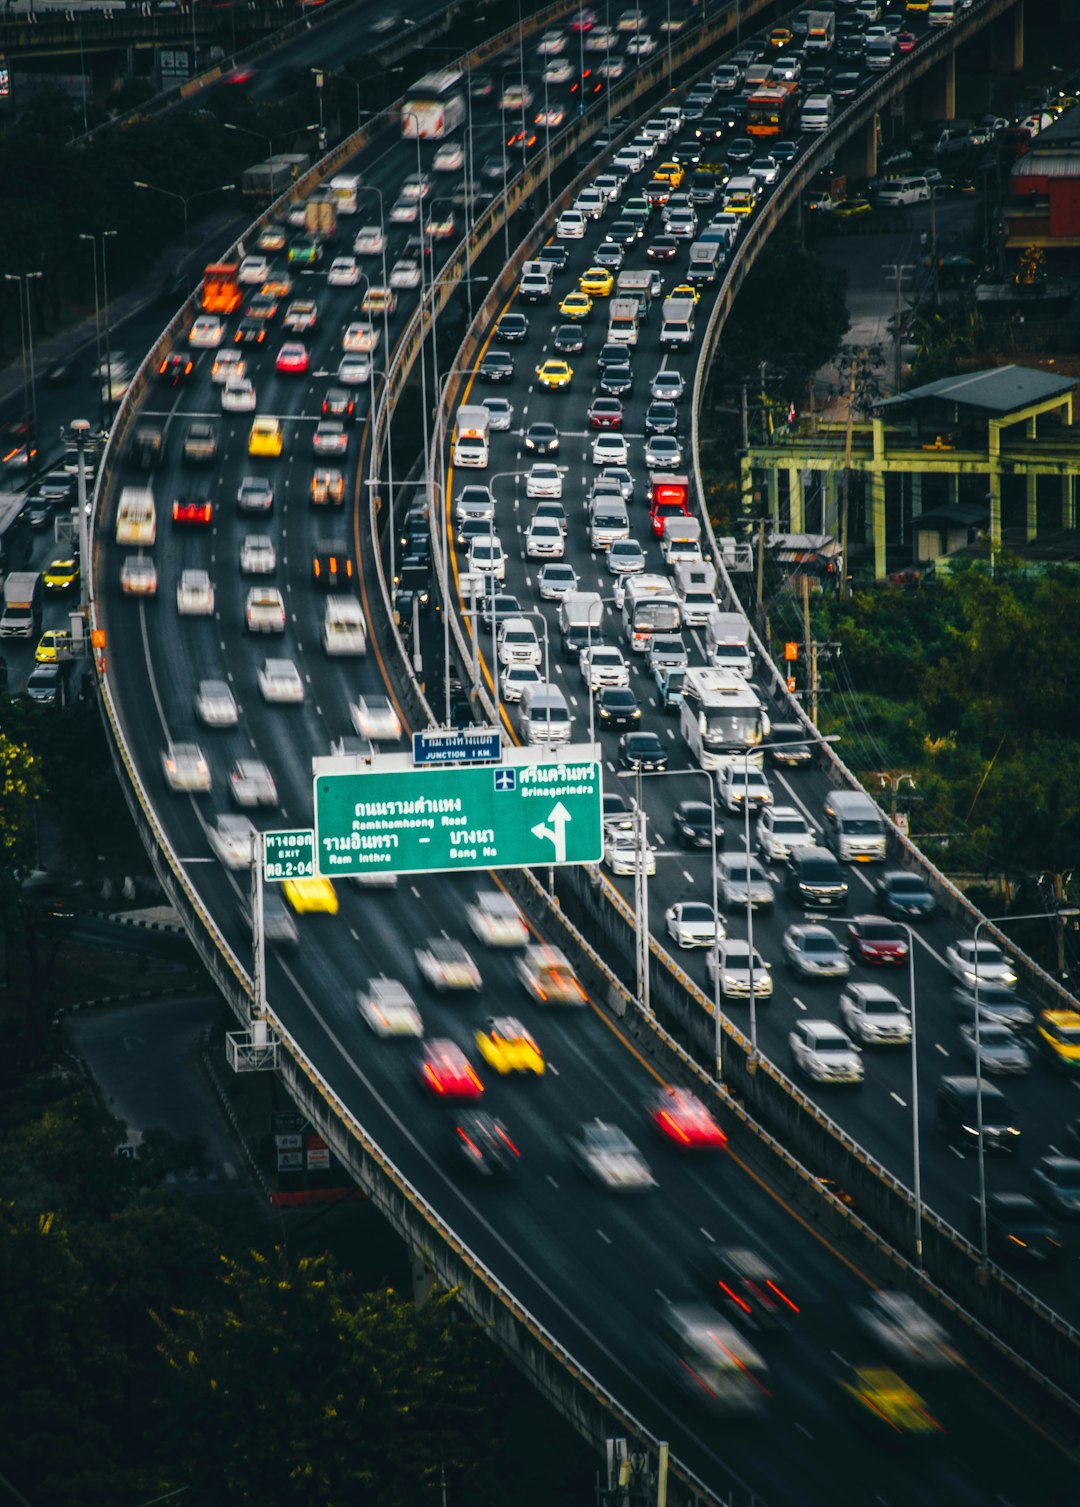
(506, 779)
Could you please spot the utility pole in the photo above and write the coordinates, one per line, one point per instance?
(845, 508)
(813, 678)
(899, 270)
(804, 586)
(764, 405)
(761, 566)
(745, 421)
(933, 247)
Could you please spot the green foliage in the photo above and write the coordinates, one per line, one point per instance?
(946, 340)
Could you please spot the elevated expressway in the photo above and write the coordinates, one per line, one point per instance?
(570, 1283)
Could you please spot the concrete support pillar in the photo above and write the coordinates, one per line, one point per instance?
(1007, 41)
(916, 493)
(1030, 429)
(1032, 481)
(796, 510)
(995, 510)
(939, 90)
(772, 494)
(877, 522)
(1068, 502)
(954, 489)
(830, 513)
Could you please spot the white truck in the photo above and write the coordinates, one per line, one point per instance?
(636, 284)
(720, 718)
(727, 643)
(677, 328)
(21, 614)
(471, 436)
(681, 540)
(623, 320)
(581, 621)
(820, 31)
(706, 258)
(695, 587)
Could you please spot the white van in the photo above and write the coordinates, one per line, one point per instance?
(896, 191)
(853, 826)
(941, 13)
(817, 113)
(545, 716)
(608, 521)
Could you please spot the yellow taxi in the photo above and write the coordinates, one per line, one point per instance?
(1059, 1035)
(506, 1046)
(780, 37)
(597, 281)
(669, 172)
(61, 575)
(685, 290)
(311, 896)
(741, 202)
(266, 437)
(328, 486)
(884, 1402)
(554, 374)
(53, 645)
(576, 306)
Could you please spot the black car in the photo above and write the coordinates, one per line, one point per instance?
(569, 340)
(643, 751)
(339, 403)
(612, 354)
(664, 248)
(497, 366)
(250, 332)
(793, 754)
(617, 706)
(711, 128)
(617, 380)
(484, 1145)
(814, 879)
(50, 684)
(481, 86)
(472, 528)
(616, 812)
(555, 255)
(905, 896)
(175, 369)
(332, 570)
(742, 1284)
(742, 149)
(542, 438)
(413, 525)
(692, 822)
(783, 151)
(623, 233)
(661, 417)
(846, 85)
(512, 327)
(1019, 1233)
(687, 153)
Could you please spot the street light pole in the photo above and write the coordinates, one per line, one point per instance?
(97, 325)
(915, 1138)
(105, 235)
(186, 199)
(24, 279)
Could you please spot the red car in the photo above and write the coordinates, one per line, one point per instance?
(875, 940)
(293, 357)
(682, 1118)
(196, 511)
(606, 413)
(905, 41)
(448, 1073)
(664, 249)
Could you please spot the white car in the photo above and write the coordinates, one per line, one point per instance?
(301, 315)
(764, 169)
(556, 581)
(824, 1053)
(264, 610)
(641, 46)
(571, 225)
(404, 211)
(344, 272)
(486, 558)
(550, 44)
(500, 412)
(450, 158)
(691, 923)
(227, 364)
(735, 874)
(621, 853)
(405, 273)
(543, 480)
(733, 960)
(610, 450)
(233, 839)
(611, 1159)
(780, 829)
(238, 396)
(446, 964)
(374, 717)
(983, 962)
(258, 556)
(254, 269)
(603, 665)
(215, 704)
(545, 540)
(875, 1015)
(389, 1008)
(814, 953)
(207, 332)
(515, 678)
(361, 336)
(186, 768)
(354, 369)
(280, 681)
(496, 920)
(558, 71)
(737, 782)
(518, 643)
(370, 240)
(195, 594)
(999, 1050)
(625, 557)
(252, 784)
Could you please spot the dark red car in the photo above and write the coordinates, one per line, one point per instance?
(876, 940)
(605, 413)
(197, 512)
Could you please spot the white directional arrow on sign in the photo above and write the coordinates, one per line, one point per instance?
(556, 833)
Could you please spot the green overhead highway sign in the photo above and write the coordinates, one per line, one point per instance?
(392, 818)
(289, 855)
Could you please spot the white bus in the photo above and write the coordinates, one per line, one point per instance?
(344, 189)
(434, 106)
